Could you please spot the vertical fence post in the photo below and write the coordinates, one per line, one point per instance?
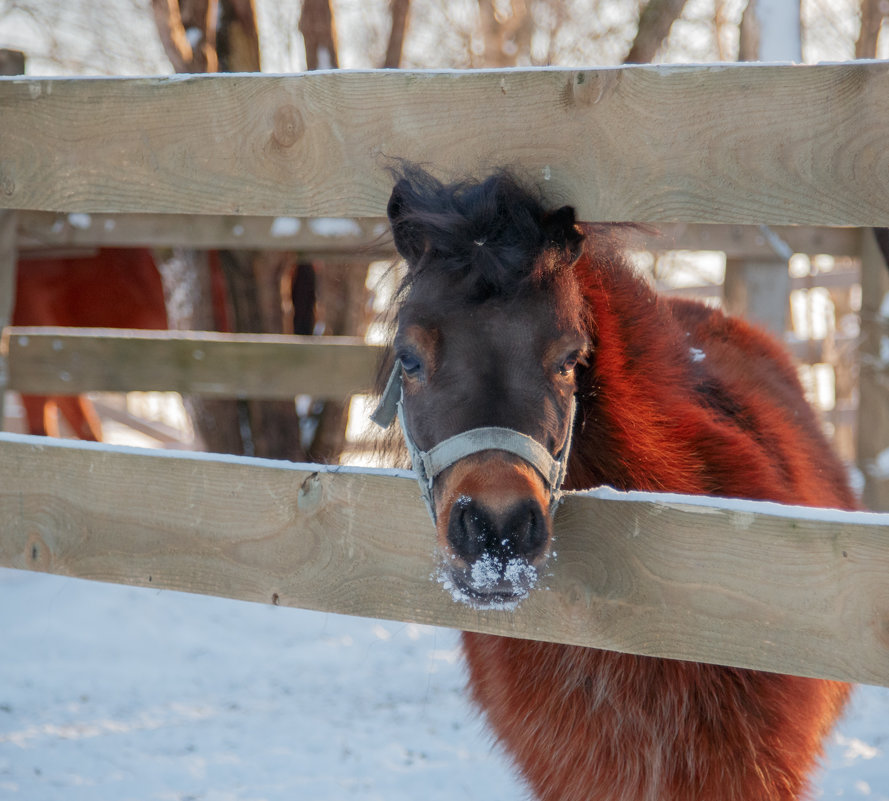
(873, 381)
(7, 297)
(12, 62)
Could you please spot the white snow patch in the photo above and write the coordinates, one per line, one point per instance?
(879, 468)
(285, 226)
(779, 30)
(324, 60)
(80, 221)
(194, 35)
(484, 576)
(884, 350)
(335, 227)
(697, 355)
(284, 708)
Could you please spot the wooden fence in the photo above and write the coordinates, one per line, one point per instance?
(745, 584)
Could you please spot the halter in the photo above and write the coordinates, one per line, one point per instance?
(428, 464)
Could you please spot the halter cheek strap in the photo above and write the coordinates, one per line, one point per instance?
(429, 464)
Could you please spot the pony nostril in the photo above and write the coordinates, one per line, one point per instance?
(474, 531)
(469, 529)
(525, 525)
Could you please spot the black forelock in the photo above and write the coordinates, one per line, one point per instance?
(488, 233)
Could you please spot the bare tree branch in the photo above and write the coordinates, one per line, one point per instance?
(237, 43)
(187, 30)
(319, 33)
(748, 46)
(655, 22)
(394, 47)
(871, 21)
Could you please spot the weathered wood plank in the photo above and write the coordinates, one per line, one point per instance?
(70, 361)
(750, 242)
(39, 231)
(738, 583)
(740, 144)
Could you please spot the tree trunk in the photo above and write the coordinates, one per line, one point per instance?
(188, 294)
(871, 22)
(341, 295)
(269, 429)
(187, 30)
(319, 33)
(394, 47)
(343, 307)
(655, 22)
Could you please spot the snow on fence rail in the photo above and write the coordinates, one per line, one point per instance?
(734, 582)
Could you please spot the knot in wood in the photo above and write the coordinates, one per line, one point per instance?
(590, 87)
(288, 126)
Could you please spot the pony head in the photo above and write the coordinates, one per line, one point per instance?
(490, 335)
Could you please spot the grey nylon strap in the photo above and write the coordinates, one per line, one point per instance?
(429, 464)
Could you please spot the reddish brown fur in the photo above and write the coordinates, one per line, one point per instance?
(114, 288)
(676, 397)
(586, 724)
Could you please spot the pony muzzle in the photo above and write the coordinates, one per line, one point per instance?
(494, 528)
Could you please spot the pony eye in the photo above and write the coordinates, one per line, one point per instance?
(410, 364)
(568, 365)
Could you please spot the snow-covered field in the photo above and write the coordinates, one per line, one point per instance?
(111, 692)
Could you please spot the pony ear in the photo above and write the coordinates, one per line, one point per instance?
(560, 229)
(410, 242)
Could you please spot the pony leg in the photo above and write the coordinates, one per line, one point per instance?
(35, 410)
(81, 416)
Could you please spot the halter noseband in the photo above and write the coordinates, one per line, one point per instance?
(428, 464)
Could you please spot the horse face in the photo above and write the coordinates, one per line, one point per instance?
(506, 362)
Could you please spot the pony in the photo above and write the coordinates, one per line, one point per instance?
(529, 356)
(111, 288)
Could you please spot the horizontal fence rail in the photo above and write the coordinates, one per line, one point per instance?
(732, 582)
(712, 143)
(69, 361)
(41, 231)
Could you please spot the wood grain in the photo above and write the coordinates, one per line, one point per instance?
(738, 583)
(718, 143)
(66, 361)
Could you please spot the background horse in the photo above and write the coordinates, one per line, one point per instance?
(508, 312)
(112, 288)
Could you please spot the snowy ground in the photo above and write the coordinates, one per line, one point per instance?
(111, 692)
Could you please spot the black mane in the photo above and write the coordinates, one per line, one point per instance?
(489, 234)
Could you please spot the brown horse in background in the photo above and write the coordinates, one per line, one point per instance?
(112, 288)
(508, 312)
